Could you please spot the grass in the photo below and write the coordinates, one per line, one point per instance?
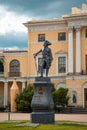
(24, 125)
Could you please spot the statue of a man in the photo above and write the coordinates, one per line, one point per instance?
(46, 57)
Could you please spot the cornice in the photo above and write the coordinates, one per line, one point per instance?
(75, 16)
(57, 24)
(44, 22)
(16, 54)
(76, 20)
(11, 79)
(77, 23)
(53, 42)
(48, 27)
(76, 77)
(61, 52)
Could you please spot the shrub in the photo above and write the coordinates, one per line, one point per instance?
(2, 108)
(23, 100)
(60, 97)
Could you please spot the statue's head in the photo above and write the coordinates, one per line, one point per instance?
(46, 43)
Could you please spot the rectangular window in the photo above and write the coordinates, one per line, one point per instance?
(41, 37)
(62, 36)
(86, 33)
(85, 94)
(86, 63)
(61, 64)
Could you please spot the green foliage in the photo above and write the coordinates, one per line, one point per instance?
(60, 97)
(53, 87)
(2, 108)
(23, 100)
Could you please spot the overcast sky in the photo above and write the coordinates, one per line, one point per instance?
(13, 13)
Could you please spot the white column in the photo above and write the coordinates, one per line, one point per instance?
(23, 85)
(5, 93)
(70, 50)
(78, 51)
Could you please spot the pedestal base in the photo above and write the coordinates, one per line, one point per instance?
(42, 117)
(42, 103)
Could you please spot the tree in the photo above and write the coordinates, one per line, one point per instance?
(53, 87)
(23, 100)
(60, 97)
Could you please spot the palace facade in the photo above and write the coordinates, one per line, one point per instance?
(68, 36)
(13, 64)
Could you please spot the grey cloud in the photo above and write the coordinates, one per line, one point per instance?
(13, 39)
(41, 8)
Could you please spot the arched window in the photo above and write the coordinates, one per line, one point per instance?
(1, 66)
(14, 68)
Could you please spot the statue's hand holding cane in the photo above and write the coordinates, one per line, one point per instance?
(35, 54)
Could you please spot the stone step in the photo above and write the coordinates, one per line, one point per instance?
(76, 110)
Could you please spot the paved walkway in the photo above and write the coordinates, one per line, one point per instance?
(26, 116)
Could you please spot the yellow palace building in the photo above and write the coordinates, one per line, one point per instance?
(68, 36)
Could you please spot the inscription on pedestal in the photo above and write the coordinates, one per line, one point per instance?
(39, 98)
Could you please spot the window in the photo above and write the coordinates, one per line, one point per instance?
(86, 33)
(62, 36)
(14, 66)
(86, 63)
(41, 37)
(0, 98)
(85, 94)
(1, 67)
(61, 64)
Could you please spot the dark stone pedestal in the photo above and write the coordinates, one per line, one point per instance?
(42, 117)
(42, 102)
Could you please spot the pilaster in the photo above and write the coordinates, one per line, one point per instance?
(5, 93)
(78, 50)
(70, 50)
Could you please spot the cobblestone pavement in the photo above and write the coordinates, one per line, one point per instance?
(26, 116)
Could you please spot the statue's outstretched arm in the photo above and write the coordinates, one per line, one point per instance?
(35, 54)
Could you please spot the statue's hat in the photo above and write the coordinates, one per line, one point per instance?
(47, 42)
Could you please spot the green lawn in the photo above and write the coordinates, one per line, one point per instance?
(23, 125)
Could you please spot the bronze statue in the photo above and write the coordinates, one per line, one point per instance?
(46, 58)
